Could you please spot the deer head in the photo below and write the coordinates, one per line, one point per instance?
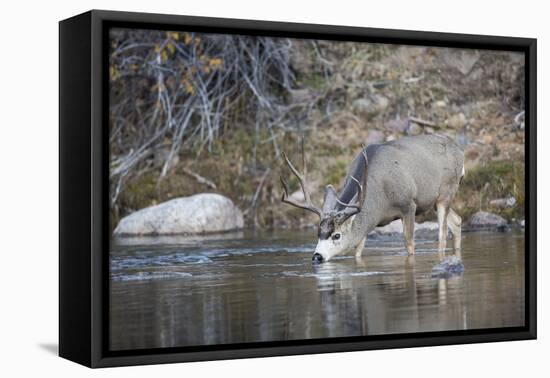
(335, 233)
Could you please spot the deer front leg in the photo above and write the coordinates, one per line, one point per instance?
(359, 248)
(442, 210)
(408, 228)
(455, 225)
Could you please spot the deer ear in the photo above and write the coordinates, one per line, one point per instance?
(330, 199)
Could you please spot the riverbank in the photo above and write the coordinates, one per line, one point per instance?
(379, 93)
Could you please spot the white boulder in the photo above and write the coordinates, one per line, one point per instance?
(197, 214)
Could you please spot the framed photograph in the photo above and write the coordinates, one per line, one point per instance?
(234, 188)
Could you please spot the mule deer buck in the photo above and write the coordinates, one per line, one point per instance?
(395, 180)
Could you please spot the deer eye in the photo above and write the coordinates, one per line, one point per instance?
(336, 236)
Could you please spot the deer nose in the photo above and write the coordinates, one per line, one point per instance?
(317, 258)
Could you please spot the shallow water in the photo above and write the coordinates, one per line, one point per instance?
(249, 287)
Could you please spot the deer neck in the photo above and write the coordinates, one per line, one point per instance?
(372, 212)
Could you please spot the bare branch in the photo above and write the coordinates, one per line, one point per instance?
(200, 179)
(423, 122)
(182, 90)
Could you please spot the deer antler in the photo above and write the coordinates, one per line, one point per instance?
(364, 186)
(330, 194)
(359, 196)
(308, 205)
(354, 208)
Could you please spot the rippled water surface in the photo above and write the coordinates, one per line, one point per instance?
(248, 287)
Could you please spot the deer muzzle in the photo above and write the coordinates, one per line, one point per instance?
(317, 258)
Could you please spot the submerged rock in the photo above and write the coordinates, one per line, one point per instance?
(449, 266)
(197, 214)
(483, 219)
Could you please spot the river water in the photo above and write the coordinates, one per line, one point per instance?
(250, 287)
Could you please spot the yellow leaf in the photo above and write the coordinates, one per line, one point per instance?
(171, 48)
(113, 73)
(215, 63)
(174, 35)
(186, 38)
(189, 88)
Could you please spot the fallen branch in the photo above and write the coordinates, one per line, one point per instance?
(384, 83)
(200, 179)
(423, 122)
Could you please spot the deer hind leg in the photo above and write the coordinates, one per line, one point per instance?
(455, 225)
(442, 211)
(408, 229)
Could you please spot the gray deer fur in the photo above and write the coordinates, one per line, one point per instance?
(394, 180)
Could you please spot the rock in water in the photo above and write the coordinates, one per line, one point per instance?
(449, 266)
(483, 219)
(197, 214)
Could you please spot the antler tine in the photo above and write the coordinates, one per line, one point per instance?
(308, 205)
(364, 153)
(285, 199)
(352, 209)
(359, 195)
(357, 207)
(360, 189)
(299, 177)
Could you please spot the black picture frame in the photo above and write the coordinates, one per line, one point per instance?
(84, 205)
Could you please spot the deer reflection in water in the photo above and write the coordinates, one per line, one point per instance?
(402, 302)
